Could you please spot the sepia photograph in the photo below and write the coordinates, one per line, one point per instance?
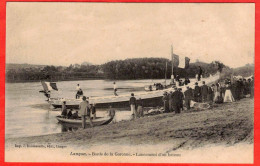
(96, 82)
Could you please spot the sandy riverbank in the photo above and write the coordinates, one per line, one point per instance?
(226, 125)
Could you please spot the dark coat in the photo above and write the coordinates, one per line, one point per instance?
(188, 94)
(132, 100)
(197, 91)
(204, 90)
(176, 97)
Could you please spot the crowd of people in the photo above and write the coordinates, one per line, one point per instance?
(229, 90)
(220, 92)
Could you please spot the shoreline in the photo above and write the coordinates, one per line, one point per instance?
(228, 124)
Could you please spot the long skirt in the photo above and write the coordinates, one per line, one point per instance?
(217, 97)
(228, 96)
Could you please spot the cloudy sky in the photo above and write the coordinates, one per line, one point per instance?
(68, 33)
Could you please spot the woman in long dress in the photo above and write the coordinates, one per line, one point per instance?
(228, 95)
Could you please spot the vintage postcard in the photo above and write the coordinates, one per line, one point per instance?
(129, 82)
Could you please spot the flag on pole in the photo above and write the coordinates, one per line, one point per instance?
(187, 62)
(48, 86)
(175, 60)
(181, 62)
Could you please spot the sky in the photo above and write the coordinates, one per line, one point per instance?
(67, 33)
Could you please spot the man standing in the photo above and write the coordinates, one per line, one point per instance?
(165, 102)
(188, 97)
(132, 103)
(115, 89)
(204, 92)
(176, 103)
(77, 89)
(84, 108)
(197, 93)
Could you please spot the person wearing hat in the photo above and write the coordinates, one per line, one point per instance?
(204, 92)
(188, 97)
(197, 93)
(165, 102)
(79, 93)
(84, 109)
(132, 103)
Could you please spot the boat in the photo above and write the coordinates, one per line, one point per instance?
(96, 122)
(149, 98)
(152, 97)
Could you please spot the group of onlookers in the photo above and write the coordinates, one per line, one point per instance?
(216, 93)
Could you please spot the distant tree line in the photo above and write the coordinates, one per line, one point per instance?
(137, 68)
(52, 73)
(154, 68)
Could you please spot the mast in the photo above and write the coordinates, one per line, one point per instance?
(172, 77)
(172, 57)
(166, 73)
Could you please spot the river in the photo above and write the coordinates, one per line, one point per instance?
(28, 114)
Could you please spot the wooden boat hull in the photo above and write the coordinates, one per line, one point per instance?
(96, 122)
(149, 102)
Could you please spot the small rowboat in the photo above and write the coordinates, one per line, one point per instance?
(96, 122)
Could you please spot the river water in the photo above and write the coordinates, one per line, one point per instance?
(28, 114)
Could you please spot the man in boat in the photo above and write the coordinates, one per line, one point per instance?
(165, 102)
(77, 89)
(188, 97)
(75, 115)
(115, 89)
(79, 93)
(132, 103)
(84, 108)
(204, 92)
(197, 93)
(69, 115)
